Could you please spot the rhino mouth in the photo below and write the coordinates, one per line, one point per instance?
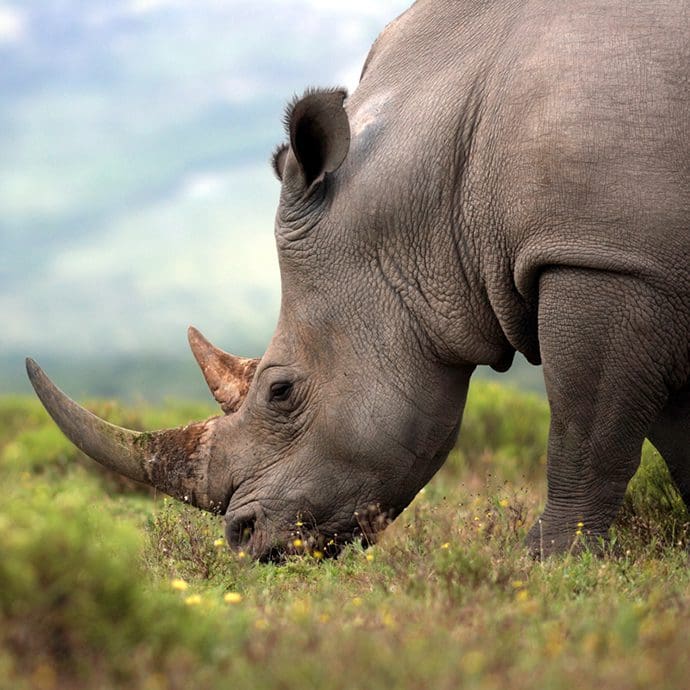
(251, 532)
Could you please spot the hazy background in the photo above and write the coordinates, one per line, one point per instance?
(135, 191)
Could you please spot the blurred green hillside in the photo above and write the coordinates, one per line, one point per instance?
(155, 378)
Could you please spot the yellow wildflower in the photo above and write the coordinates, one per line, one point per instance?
(318, 555)
(503, 503)
(179, 585)
(232, 598)
(219, 543)
(446, 545)
(193, 600)
(388, 620)
(297, 543)
(370, 557)
(300, 608)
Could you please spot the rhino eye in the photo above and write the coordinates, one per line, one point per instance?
(280, 391)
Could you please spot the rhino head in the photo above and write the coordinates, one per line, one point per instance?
(350, 411)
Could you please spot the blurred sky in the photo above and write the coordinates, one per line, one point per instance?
(135, 191)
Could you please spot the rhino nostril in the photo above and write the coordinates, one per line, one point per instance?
(239, 531)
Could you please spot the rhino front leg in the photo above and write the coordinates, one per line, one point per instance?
(607, 357)
(670, 435)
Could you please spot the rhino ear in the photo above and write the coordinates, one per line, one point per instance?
(319, 133)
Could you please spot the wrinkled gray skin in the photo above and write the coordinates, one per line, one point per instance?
(508, 176)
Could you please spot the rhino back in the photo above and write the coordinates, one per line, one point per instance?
(532, 134)
(597, 172)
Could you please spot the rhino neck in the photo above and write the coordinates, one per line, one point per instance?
(421, 157)
(433, 245)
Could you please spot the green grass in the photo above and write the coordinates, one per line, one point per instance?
(103, 585)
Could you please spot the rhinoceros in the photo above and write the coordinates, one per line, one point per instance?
(508, 176)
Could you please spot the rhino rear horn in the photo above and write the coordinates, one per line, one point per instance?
(175, 461)
(228, 376)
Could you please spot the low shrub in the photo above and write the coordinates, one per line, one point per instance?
(502, 429)
(75, 601)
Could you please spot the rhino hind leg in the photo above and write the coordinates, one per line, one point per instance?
(670, 435)
(607, 360)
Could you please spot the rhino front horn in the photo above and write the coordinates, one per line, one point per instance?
(227, 376)
(175, 461)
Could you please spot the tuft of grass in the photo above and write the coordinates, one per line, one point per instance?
(184, 542)
(653, 512)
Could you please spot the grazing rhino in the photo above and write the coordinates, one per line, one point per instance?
(508, 176)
